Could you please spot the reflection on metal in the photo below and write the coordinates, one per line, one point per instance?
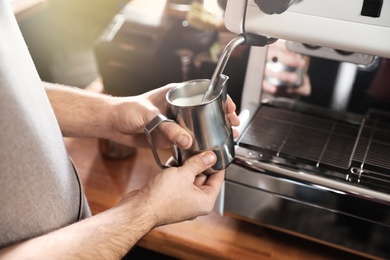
(329, 53)
(344, 85)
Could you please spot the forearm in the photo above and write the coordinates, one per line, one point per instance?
(108, 235)
(80, 113)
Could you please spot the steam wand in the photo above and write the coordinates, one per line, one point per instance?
(244, 38)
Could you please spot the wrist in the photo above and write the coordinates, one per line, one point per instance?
(136, 207)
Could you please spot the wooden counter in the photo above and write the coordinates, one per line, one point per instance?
(210, 237)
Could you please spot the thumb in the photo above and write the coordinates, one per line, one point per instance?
(200, 162)
(176, 134)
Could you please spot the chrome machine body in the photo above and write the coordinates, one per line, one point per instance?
(317, 166)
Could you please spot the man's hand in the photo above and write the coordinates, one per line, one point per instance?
(181, 193)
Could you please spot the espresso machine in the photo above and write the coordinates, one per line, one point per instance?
(316, 165)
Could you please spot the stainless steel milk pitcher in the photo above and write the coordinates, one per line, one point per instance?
(205, 120)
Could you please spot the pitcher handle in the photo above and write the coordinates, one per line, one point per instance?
(148, 131)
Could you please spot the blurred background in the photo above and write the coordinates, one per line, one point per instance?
(133, 46)
(61, 35)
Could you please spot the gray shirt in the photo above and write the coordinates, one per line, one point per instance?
(39, 188)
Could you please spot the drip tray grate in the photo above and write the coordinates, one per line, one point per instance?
(323, 141)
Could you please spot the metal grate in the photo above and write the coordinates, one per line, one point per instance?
(320, 140)
(361, 149)
(373, 146)
(373, 153)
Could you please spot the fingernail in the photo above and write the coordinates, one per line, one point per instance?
(183, 141)
(208, 158)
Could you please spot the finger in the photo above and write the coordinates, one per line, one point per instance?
(199, 163)
(303, 90)
(235, 133)
(200, 180)
(290, 77)
(230, 105)
(233, 119)
(176, 134)
(283, 76)
(214, 183)
(231, 112)
(269, 88)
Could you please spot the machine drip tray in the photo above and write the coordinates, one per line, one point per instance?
(314, 172)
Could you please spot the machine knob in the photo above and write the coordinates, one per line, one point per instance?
(274, 6)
